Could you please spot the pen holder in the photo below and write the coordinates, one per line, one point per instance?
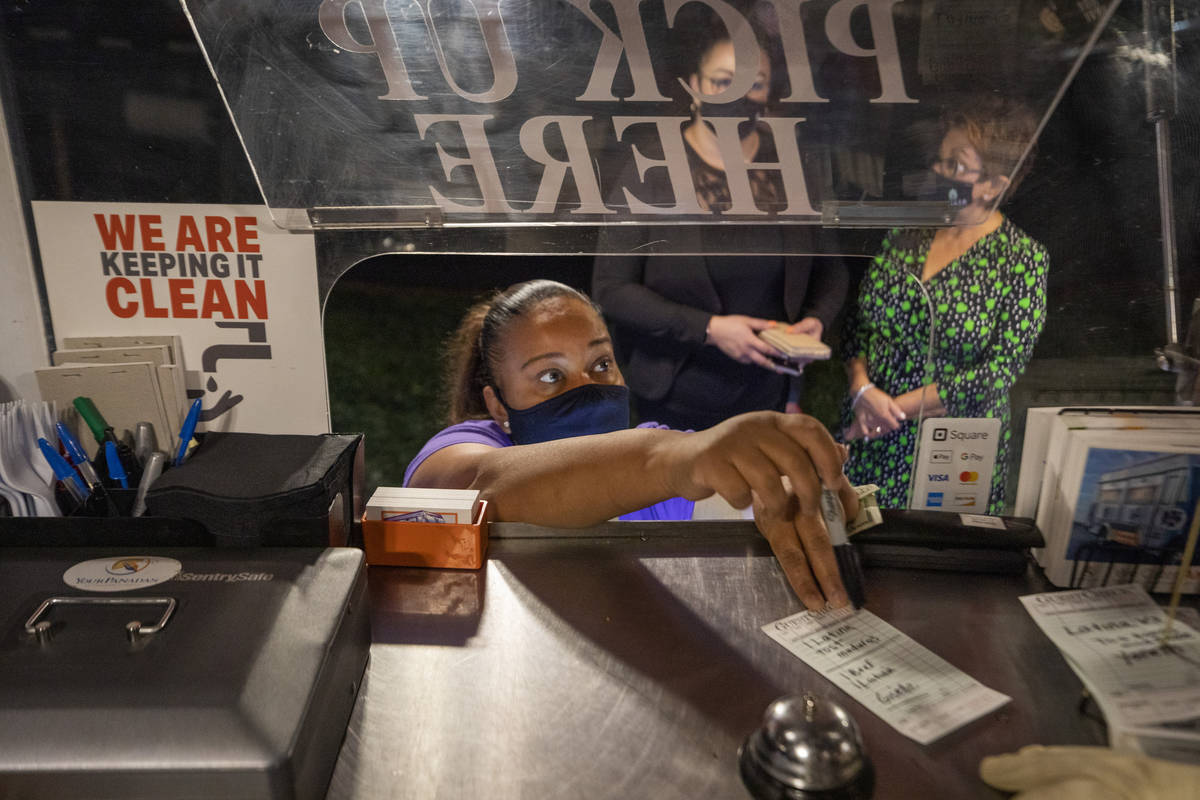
(92, 527)
(122, 500)
(427, 544)
(272, 490)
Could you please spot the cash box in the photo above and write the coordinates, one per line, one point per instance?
(178, 672)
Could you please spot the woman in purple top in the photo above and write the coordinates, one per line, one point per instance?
(539, 419)
(486, 432)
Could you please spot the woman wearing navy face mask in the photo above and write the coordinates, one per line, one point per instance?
(539, 418)
(986, 281)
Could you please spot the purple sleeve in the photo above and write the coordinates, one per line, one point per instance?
(658, 426)
(675, 508)
(487, 432)
(472, 431)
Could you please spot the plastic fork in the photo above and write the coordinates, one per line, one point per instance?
(16, 466)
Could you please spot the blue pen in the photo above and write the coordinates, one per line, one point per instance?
(115, 470)
(63, 471)
(187, 431)
(77, 455)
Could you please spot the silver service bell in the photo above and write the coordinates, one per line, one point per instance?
(807, 748)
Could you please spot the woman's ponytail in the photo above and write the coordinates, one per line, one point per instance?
(463, 367)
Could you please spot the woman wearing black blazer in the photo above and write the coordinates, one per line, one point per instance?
(664, 310)
(687, 326)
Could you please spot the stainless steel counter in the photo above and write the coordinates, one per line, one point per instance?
(633, 667)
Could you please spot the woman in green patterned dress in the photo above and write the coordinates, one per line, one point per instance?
(986, 281)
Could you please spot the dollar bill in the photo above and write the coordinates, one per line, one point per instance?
(868, 510)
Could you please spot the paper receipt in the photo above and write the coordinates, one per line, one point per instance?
(907, 686)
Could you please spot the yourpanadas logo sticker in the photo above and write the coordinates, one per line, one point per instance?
(128, 566)
(121, 574)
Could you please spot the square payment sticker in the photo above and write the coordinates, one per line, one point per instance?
(954, 464)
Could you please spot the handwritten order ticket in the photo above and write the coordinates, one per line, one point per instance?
(906, 685)
(1111, 635)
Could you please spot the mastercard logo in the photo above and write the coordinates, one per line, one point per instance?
(968, 477)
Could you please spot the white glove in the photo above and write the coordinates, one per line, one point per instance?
(1089, 773)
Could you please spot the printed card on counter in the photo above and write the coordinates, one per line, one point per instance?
(399, 504)
(904, 684)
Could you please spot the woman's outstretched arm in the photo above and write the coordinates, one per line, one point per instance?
(590, 479)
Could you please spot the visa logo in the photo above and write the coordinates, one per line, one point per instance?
(935, 477)
(933, 499)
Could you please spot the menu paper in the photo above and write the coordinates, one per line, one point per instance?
(1111, 637)
(904, 684)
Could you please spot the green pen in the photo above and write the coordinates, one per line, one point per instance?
(103, 432)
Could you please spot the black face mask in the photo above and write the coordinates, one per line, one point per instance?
(582, 411)
(744, 108)
(957, 194)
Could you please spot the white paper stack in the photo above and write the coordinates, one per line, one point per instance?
(131, 379)
(171, 375)
(1113, 491)
(396, 504)
(1045, 427)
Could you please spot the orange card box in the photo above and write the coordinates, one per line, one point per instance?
(444, 545)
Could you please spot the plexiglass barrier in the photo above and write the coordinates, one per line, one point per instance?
(415, 113)
(111, 103)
